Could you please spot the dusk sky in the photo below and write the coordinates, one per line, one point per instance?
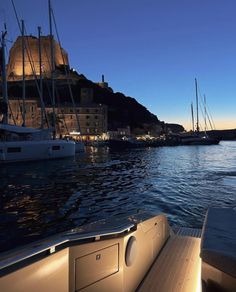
(148, 49)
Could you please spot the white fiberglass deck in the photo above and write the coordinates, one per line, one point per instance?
(177, 268)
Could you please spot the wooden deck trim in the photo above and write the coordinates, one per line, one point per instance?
(176, 269)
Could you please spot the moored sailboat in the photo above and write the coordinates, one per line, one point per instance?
(195, 137)
(20, 143)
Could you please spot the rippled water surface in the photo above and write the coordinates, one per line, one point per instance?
(41, 198)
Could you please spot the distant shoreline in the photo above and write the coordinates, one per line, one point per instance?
(223, 134)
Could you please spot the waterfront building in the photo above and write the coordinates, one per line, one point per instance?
(92, 118)
(32, 113)
(86, 96)
(119, 133)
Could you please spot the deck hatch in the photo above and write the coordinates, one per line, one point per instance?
(96, 266)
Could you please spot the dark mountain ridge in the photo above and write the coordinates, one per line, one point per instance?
(123, 110)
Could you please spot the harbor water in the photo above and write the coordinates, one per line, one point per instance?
(39, 199)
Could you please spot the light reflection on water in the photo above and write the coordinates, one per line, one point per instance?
(41, 198)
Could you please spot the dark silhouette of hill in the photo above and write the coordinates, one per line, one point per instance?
(123, 110)
(175, 128)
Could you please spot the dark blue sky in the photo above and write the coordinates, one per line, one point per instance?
(149, 49)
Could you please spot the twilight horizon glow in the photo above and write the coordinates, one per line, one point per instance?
(150, 50)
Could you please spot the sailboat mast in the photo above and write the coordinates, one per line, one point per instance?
(67, 74)
(23, 69)
(52, 66)
(192, 116)
(40, 77)
(4, 79)
(205, 113)
(197, 127)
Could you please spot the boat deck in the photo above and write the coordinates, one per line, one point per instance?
(178, 266)
(184, 231)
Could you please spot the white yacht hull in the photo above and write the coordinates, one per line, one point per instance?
(16, 151)
(79, 146)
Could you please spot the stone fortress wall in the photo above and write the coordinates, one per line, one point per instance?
(14, 68)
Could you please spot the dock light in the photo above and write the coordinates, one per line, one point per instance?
(74, 133)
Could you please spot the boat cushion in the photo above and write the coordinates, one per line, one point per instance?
(218, 244)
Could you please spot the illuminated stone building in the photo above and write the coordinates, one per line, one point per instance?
(14, 68)
(32, 112)
(86, 96)
(92, 118)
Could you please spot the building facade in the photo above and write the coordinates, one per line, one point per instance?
(86, 122)
(32, 112)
